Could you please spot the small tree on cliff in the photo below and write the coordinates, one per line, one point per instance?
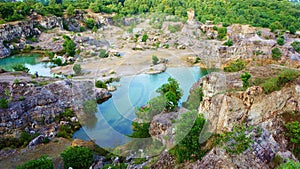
(77, 157)
(245, 78)
(69, 46)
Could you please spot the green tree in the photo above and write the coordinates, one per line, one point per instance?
(292, 29)
(293, 133)
(276, 53)
(77, 69)
(188, 129)
(44, 162)
(77, 157)
(140, 130)
(20, 67)
(69, 47)
(144, 38)
(289, 165)
(280, 41)
(275, 26)
(245, 78)
(70, 10)
(100, 84)
(154, 60)
(222, 32)
(3, 103)
(90, 23)
(171, 86)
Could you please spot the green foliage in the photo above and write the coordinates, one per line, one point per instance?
(100, 84)
(276, 53)
(69, 46)
(77, 157)
(144, 38)
(90, 106)
(3, 103)
(296, 46)
(20, 67)
(237, 141)
(140, 130)
(235, 66)
(293, 134)
(188, 129)
(172, 92)
(292, 29)
(22, 141)
(275, 26)
(77, 69)
(70, 10)
(58, 62)
(229, 42)
(222, 33)
(194, 99)
(276, 83)
(90, 23)
(95, 29)
(173, 28)
(154, 60)
(117, 166)
(156, 106)
(103, 53)
(289, 165)
(245, 78)
(215, 28)
(44, 162)
(280, 41)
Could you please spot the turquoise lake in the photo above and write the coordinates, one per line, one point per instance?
(114, 117)
(31, 61)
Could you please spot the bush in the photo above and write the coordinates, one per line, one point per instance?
(100, 84)
(77, 69)
(77, 157)
(245, 78)
(293, 134)
(90, 106)
(276, 54)
(222, 33)
(235, 66)
(174, 28)
(229, 42)
(292, 29)
(44, 162)
(289, 165)
(280, 41)
(95, 29)
(20, 67)
(89, 22)
(296, 46)
(140, 130)
(188, 146)
(154, 60)
(103, 53)
(70, 10)
(144, 38)
(57, 61)
(69, 47)
(3, 103)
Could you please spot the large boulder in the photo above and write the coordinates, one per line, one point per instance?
(102, 95)
(36, 141)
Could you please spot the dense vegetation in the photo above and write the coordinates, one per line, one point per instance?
(77, 157)
(42, 163)
(268, 13)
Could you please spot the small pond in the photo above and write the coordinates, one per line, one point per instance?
(31, 61)
(114, 117)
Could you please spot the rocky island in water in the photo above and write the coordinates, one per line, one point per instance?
(124, 84)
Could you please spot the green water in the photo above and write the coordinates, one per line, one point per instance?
(31, 61)
(114, 117)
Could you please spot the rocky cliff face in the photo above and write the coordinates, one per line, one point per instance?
(35, 103)
(224, 106)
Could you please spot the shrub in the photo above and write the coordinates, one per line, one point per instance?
(140, 130)
(229, 42)
(293, 134)
(171, 86)
(280, 41)
(188, 146)
(57, 61)
(77, 69)
(44, 162)
(90, 106)
(276, 54)
(100, 84)
(245, 78)
(222, 33)
(289, 165)
(3, 103)
(77, 157)
(215, 28)
(296, 46)
(89, 23)
(69, 47)
(70, 10)
(237, 141)
(155, 60)
(235, 66)
(81, 29)
(95, 29)
(103, 53)
(292, 29)
(173, 28)
(20, 67)
(144, 38)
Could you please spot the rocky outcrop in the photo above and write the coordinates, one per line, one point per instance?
(102, 95)
(223, 109)
(35, 106)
